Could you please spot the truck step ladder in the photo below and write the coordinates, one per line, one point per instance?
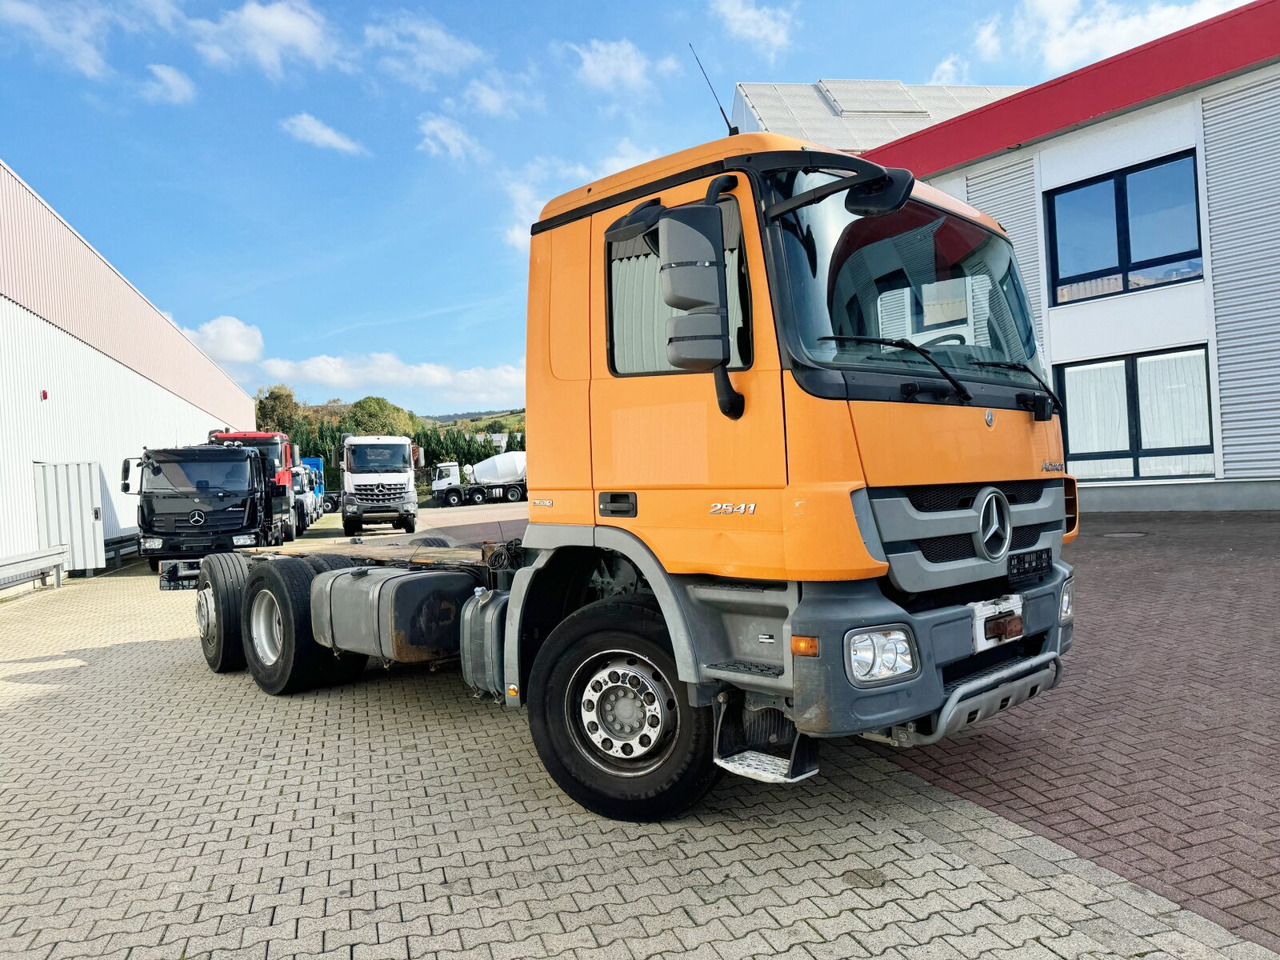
(788, 756)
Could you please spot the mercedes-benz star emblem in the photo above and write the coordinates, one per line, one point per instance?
(995, 525)
(196, 518)
(991, 418)
(382, 488)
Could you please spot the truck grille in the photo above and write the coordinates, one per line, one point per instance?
(928, 532)
(215, 521)
(381, 492)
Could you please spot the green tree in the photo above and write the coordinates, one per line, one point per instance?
(494, 426)
(277, 408)
(376, 415)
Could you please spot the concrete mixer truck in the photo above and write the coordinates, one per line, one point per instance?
(501, 477)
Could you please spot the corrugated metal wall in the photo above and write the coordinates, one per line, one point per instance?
(98, 410)
(1242, 173)
(46, 267)
(1009, 195)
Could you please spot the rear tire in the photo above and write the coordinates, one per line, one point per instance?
(219, 595)
(659, 761)
(341, 667)
(279, 648)
(514, 494)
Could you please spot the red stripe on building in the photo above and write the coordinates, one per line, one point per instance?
(1231, 43)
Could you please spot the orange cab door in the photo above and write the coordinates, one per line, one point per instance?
(707, 490)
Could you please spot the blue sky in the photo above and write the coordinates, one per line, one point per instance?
(337, 195)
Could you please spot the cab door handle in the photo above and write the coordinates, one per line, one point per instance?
(617, 504)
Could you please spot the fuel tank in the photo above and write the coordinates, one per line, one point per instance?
(405, 616)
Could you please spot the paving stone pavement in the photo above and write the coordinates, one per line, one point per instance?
(1159, 754)
(150, 809)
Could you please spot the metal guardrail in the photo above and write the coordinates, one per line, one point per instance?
(37, 565)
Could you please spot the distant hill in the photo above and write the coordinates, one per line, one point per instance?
(473, 415)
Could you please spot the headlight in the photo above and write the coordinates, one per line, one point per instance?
(880, 655)
(1067, 602)
(152, 543)
(243, 540)
(351, 508)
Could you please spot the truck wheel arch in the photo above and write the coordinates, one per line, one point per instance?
(564, 551)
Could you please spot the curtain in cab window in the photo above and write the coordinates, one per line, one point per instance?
(638, 316)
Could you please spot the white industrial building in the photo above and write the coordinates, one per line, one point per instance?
(1142, 195)
(90, 373)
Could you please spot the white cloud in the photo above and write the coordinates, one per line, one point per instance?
(491, 386)
(443, 136)
(502, 95)
(986, 40)
(168, 85)
(228, 340)
(953, 70)
(767, 29)
(543, 177)
(307, 129)
(75, 30)
(415, 50)
(268, 34)
(618, 66)
(1065, 34)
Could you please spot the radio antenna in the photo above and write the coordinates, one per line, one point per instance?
(732, 129)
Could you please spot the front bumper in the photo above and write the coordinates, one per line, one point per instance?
(374, 511)
(953, 686)
(191, 548)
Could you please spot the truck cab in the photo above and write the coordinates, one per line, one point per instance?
(280, 456)
(193, 501)
(378, 483)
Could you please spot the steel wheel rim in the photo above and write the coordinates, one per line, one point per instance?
(206, 616)
(267, 627)
(622, 713)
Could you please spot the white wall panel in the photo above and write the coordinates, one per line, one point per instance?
(48, 268)
(1242, 174)
(97, 410)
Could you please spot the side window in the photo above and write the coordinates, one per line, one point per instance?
(638, 316)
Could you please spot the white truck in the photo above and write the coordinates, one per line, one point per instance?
(502, 477)
(377, 483)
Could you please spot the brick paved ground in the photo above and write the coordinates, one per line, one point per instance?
(151, 809)
(1159, 755)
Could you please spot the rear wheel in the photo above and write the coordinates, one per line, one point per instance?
(279, 648)
(219, 594)
(611, 721)
(514, 494)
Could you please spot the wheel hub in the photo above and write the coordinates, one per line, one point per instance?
(267, 628)
(206, 614)
(627, 709)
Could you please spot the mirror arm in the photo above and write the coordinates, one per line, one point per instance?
(732, 403)
(718, 186)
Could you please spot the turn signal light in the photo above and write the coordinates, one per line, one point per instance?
(513, 690)
(804, 646)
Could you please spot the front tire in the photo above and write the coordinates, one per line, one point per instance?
(409, 524)
(611, 721)
(287, 532)
(219, 595)
(477, 496)
(453, 498)
(279, 648)
(342, 667)
(351, 528)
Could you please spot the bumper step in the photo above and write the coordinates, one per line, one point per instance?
(764, 767)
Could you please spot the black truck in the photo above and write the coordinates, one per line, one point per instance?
(194, 501)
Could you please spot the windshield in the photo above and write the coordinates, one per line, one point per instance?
(919, 274)
(196, 476)
(270, 450)
(299, 485)
(378, 457)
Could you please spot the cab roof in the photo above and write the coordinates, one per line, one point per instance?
(202, 451)
(739, 145)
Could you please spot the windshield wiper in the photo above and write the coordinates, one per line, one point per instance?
(1025, 368)
(961, 393)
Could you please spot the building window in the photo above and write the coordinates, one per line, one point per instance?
(1129, 230)
(1139, 416)
(638, 315)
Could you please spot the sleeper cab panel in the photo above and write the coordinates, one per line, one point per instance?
(406, 616)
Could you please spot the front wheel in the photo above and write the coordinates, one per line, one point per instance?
(275, 621)
(219, 593)
(287, 532)
(476, 496)
(351, 528)
(611, 721)
(453, 498)
(409, 524)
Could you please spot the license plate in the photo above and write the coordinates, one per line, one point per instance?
(1026, 566)
(996, 622)
(179, 574)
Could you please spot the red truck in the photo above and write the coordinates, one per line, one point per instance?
(283, 455)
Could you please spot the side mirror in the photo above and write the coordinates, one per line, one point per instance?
(419, 457)
(279, 490)
(126, 470)
(297, 454)
(691, 254)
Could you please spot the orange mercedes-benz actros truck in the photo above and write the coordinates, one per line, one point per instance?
(794, 474)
